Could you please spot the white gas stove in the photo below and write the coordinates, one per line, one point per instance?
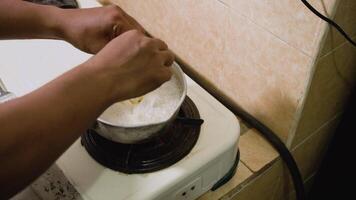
(26, 65)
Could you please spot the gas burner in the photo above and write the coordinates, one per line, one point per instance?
(162, 151)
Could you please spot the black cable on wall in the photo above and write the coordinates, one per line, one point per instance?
(281, 148)
(268, 134)
(328, 20)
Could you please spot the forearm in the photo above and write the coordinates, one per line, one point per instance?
(37, 128)
(24, 20)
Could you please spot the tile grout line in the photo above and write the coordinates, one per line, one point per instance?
(264, 28)
(310, 177)
(292, 193)
(279, 181)
(250, 182)
(225, 4)
(317, 130)
(336, 48)
(339, 74)
(301, 104)
(252, 178)
(246, 166)
(313, 65)
(311, 62)
(326, 27)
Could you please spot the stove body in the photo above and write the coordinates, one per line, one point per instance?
(212, 157)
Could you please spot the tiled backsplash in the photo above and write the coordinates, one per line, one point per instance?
(261, 54)
(273, 58)
(334, 75)
(289, 20)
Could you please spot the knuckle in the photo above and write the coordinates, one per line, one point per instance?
(165, 46)
(146, 43)
(143, 42)
(157, 58)
(136, 36)
(115, 16)
(170, 55)
(114, 13)
(167, 58)
(162, 45)
(163, 75)
(167, 75)
(136, 33)
(112, 6)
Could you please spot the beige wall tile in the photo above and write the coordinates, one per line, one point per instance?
(260, 188)
(344, 59)
(250, 65)
(332, 81)
(283, 190)
(242, 174)
(292, 195)
(289, 20)
(309, 154)
(255, 152)
(258, 78)
(189, 29)
(308, 183)
(346, 17)
(308, 157)
(288, 193)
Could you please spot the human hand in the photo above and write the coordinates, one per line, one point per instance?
(133, 64)
(91, 29)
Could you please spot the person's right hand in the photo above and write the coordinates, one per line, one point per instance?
(91, 29)
(134, 64)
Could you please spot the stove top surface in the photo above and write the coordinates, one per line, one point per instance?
(167, 148)
(208, 161)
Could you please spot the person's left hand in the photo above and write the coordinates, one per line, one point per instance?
(91, 29)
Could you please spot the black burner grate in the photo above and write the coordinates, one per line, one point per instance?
(160, 152)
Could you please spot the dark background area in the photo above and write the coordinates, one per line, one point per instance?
(336, 176)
